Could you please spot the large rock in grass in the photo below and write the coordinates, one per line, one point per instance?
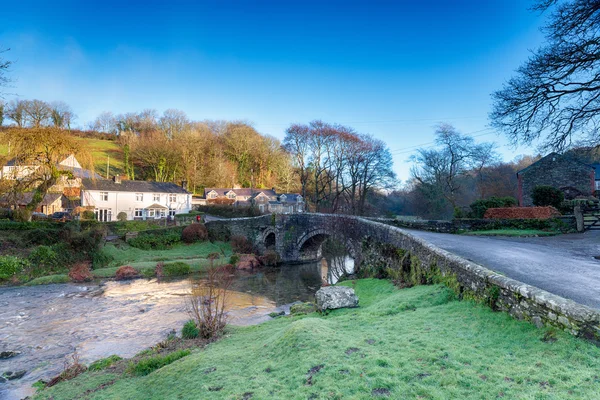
(332, 297)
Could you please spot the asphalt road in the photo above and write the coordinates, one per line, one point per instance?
(563, 265)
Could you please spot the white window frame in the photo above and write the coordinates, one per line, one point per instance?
(172, 212)
(103, 196)
(156, 197)
(139, 197)
(172, 198)
(151, 212)
(138, 213)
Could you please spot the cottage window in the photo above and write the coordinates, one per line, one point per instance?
(156, 197)
(103, 196)
(172, 212)
(139, 197)
(172, 198)
(151, 212)
(212, 196)
(231, 195)
(138, 213)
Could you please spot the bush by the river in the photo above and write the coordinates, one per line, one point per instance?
(80, 272)
(176, 269)
(11, 266)
(126, 272)
(194, 233)
(241, 244)
(190, 330)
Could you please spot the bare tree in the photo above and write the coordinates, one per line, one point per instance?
(37, 113)
(105, 122)
(173, 122)
(296, 143)
(445, 166)
(2, 111)
(61, 114)
(483, 156)
(556, 93)
(15, 111)
(4, 67)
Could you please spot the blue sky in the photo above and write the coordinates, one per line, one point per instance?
(390, 68)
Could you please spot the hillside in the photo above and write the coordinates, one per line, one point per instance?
(101, 149)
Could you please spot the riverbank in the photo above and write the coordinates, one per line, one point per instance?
(411, 343)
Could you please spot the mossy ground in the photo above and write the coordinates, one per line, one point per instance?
(417, 343)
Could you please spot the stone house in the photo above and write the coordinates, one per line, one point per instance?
(266, 200)
(560, 171)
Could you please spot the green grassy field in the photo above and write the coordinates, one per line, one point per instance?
(512, 232)
(101, 150)
(417, 343)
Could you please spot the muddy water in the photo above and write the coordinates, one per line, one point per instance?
(49, 323)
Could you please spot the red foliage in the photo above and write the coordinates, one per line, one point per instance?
(80, 272)
(126, 272)
(522, 213)
(194, 232)
(248, 262)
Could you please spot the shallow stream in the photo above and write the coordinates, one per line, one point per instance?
(49, 323)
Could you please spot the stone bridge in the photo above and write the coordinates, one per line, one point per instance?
(382, 247)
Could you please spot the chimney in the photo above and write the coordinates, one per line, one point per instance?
(117, 179)
(184, 185)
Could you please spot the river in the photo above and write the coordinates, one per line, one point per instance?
(49, 323)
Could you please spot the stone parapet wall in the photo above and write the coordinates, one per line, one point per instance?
(423, 262)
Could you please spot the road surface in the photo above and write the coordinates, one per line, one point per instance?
(563, 265)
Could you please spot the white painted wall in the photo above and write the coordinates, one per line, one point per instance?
(128, 202)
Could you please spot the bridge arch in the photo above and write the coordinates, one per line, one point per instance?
(308, 246)
(268, 239)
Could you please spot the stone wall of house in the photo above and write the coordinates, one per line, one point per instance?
(556, 171)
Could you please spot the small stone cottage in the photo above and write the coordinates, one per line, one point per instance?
(560, 171)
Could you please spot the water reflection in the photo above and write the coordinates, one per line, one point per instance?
(47, 323)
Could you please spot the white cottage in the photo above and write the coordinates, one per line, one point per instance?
(137, 199)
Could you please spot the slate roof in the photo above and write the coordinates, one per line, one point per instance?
(247, 192)
(554, 154)
(81, 173)
(25, 198)
(132, 186)
(290, 197)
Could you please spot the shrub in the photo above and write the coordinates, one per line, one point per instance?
(479, 207)
(104, 363)
(88, 215)
(21, 215)
(148, 365)
(80, 272)
(148, 272)
(11, 266)
(270, 258)
(193, 233)
(241, 244)
(176, 269)
(159, 270)
(42, 236)
(207, 301)
(126, 272)
(189, 330)
(122, 216)
(547, 196)
(234, 259)
(156, 240)
(42, 259)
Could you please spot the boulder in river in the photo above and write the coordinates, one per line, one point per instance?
(11, 375)
(332, 297)
(8, 354)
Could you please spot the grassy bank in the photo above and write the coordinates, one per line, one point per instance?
(409, 343)
(512, 232)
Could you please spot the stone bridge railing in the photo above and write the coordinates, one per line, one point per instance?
(370, 242)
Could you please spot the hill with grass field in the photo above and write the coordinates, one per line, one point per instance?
(104, 150)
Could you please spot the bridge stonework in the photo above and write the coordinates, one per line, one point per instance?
(296, 233)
